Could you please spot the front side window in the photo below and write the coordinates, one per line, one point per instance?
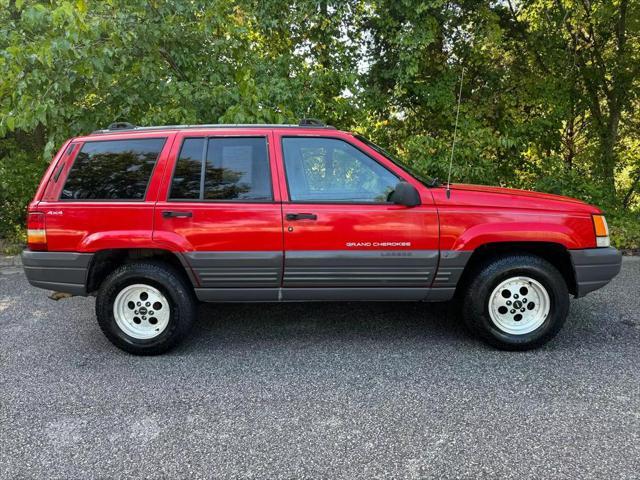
(332, 170)
(112, 170)
(222, 169)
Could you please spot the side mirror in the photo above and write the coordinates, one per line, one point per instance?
(405, 194)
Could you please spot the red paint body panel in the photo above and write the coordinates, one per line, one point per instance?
(471, 216)
(362, 227)
(214, 225)
(93, 226)
(219, 227)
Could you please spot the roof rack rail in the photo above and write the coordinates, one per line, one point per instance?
(311, 122)
(121, 126)
(125, 126)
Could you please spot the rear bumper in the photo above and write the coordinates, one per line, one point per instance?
(594, 268)
(59, 271)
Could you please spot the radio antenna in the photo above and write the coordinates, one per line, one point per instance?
(455, 131)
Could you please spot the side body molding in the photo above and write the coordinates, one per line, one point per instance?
(325, 275)
(360, 268)
(450, 268)
(237, 269)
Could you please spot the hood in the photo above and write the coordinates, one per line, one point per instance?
(530, 198)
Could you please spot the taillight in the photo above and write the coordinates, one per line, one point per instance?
(36, 231)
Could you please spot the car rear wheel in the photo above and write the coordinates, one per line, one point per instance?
(517, 302)
(145, 308)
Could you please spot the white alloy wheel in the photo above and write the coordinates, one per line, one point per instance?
(519, 305)
(141, 311)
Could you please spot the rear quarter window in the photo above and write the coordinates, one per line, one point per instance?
(112, 170)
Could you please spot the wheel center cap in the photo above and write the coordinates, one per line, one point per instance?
(517, 304)
(143, 311)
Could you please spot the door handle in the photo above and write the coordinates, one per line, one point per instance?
(301, 216)
(172, 214)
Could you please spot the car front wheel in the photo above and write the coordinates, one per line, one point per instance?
(516, 302)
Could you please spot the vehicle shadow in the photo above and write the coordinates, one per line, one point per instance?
(263, 324)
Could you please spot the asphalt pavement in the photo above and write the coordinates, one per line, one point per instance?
(351, 390)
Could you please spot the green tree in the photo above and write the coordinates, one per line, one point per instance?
(594, 45)
(549, 101)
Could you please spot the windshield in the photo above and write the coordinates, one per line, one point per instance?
(429, 182)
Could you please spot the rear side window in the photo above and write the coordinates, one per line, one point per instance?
(186, 177)
(222, 169)
(112, 170)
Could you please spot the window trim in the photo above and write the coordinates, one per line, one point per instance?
(201, 198)
(328, 202)
(114, 200)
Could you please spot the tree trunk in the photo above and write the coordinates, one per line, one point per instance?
(608, 157)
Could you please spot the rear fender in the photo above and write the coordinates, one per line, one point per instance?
(116, 239)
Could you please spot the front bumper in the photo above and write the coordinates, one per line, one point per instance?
(60, 271)
(594, 268)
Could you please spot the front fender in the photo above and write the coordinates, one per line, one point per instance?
(478, 235)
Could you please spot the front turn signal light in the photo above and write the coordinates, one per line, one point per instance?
(602, 231)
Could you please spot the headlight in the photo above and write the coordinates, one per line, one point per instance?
(602, 231)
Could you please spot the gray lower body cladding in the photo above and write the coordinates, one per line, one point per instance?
(594, 268)
(59, 271)
(369, 268)
(450, 268)
(326, 275)
(258, 276)
(317, 275)
(237, 269)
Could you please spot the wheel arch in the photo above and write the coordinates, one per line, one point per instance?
(555, 253)
(106, 261)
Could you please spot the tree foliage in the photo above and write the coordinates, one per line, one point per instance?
(549, 99)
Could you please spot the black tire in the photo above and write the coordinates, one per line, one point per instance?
(171, 284)
(475, 306)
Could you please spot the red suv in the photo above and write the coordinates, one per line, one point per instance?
(150, 220)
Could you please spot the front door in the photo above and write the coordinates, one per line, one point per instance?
(343, 239)
(222, 210)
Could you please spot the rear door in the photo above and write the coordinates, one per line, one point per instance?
(343, 238)
(221, 207)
